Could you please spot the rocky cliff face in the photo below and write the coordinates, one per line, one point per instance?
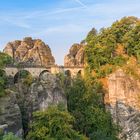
(123, 98)
(10, 115)
(75, 56)
(16, 111)
(30, 51)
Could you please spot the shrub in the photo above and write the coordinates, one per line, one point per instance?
(10, 136)
(55, 123)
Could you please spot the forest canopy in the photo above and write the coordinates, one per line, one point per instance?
(113, 46)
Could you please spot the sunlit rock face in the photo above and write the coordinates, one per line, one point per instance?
(75, 56)
(123, 101)
(30, 51)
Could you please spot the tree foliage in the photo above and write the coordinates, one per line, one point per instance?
(101, 47)
(53, 124)
(132, 41)
(24, 76)
(4, 60)
(10, 136)
(3, 81)
(85, 103)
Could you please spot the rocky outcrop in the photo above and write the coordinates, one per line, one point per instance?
(30, 51)
(75, 56)
(47, 91)
(123, 98)
(16, 111)
(10, 115)
(123, 88)
(128, 119)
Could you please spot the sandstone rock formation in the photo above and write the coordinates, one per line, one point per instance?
(30, 51)
(17, 112)
(10, 115)
(123, 98)
(75, 56)
(47, 92)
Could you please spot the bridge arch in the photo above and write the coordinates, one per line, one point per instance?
(21, 75)
(68, 73)
(79, 73)
(44, 71)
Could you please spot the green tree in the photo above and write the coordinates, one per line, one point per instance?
(4, 60)
(24, 76)
(3, 81)
(132, 41)
(85, 103)
(10, 136)
(91, 36)
(53, 124)
(101, 47)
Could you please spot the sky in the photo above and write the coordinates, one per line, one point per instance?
(59, 23)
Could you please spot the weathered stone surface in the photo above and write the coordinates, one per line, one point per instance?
(47, 92)
(17, 107)
(10, 115)
(123, 98)
(128, 119)
(75, 56)
(30, 51)
(124, 88)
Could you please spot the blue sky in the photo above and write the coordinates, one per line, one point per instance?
(60, 23)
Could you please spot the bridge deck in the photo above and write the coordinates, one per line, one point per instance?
(36, 70)
(39, 66)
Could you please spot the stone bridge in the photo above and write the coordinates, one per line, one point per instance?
(36, 71)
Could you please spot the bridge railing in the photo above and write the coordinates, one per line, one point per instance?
(27, 66)
(20, 65)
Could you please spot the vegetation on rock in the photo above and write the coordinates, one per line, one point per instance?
(53, 124)
(24, 76)
(113, 46)
(85, 103)
(4, 60)
(10, 136)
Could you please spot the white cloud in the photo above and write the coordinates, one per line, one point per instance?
(43, 13)
(63, 29)
(81, 3)
(20, 19)
(65, 25)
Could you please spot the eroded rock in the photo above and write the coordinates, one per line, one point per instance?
(30, 51)
(123, 99)
(75, 56)
(10, 115)
(17, 108)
